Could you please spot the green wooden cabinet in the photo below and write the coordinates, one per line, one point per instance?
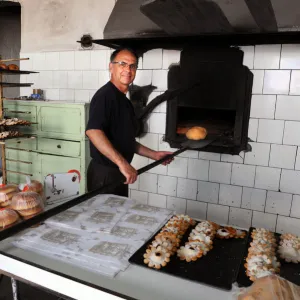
(60, 144)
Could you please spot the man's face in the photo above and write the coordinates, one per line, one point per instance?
(123, 74)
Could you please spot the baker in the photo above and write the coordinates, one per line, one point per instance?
(112, 126)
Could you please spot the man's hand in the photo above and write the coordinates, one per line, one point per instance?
(129, 172)
(161, 154)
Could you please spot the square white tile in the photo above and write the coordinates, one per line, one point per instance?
(82, 60)
(140, 197)
(254, 199)
(252, 129)
(187, 188)
(277, 82)
(160, 169)
(103, 78)
(46, 79)
(263, 106)
(157, 123)
(289, 182)
(67, 60)
(282, 156)
(152, 59)
(150, 140)
(263, 220)
(170, 57)
(176, 204)
(220, 172)
(148, 183)
(143, 77)
(197, 210)
(290, 56)
(295, 210)
(99, 60)
(267, 178)
(259, 155)
(291, 133)
(287, 108)
(152, 96)
(139, 161)
(240, 217)
(297, 164)
(278, 203)
(50, 94)
(60, 79)
(157, 200)
(51, 61)
(167, 185)
(218, 213)
(230, 195)
(189, 154)
(270, 131)
(288, 225)
(75, 79)
(258, 81)
(243, 175)
(90, 80)
(233, 158)
(178, 167)
(267, 56)
(160, 79)
(198, 169)
(66, 95)
(39, 61)
(208, 192)
(82, 95)
(295, 85)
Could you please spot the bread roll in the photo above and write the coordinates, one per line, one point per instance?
(13, 67)
(26, 200)
(3, 66)
(6, 194)
(7, 217)
(196, 133)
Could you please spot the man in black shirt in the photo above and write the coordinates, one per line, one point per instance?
(111, 128)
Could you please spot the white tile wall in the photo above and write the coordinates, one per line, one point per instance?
(279, 203)
(282, 156)
(208, 192)
(287, 107)
(187, 188)
(254, 199)
(240, 217)
(222, 188)
(270, 131)
(230, 195)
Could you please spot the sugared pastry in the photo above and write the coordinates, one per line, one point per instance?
(189, 252)
(156, 257)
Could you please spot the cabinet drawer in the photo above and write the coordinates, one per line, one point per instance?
(64, 120)
(60, 147)
(28, 144)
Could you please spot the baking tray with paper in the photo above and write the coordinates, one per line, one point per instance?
(219, 268)
(289, 271)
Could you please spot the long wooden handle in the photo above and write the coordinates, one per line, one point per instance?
(13, 59)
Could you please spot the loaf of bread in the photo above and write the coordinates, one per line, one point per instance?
(271, 288)
(27, 203)
(8, 217)
(13, 67)
(3, 66)
(6, 194)
(196, 133)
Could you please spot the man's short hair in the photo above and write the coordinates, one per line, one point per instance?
(116, 52)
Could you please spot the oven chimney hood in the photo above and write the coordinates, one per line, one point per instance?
(149, 24)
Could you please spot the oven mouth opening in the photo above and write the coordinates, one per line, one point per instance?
(216, 121)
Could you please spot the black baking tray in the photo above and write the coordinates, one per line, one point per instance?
(289, 271)
(219, 268)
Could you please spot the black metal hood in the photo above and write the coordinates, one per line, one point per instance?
(166, 23)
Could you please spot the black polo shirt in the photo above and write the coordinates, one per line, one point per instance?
(112, 112)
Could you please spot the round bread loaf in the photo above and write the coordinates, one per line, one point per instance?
(30, 212)
(26, 200)
(6, 194)
(7, 217)
(196, 133)
(13, 67)
(3, 66)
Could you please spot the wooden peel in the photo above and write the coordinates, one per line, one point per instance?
(196, 140)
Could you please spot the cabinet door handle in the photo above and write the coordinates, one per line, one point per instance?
(59, 146)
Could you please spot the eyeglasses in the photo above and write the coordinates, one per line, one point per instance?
(124, 65)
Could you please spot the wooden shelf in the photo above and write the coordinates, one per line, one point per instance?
(9, 84)
(17, 72)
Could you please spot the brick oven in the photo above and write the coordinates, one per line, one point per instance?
(218, 97)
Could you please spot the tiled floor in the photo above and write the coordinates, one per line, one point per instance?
(26, 292)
